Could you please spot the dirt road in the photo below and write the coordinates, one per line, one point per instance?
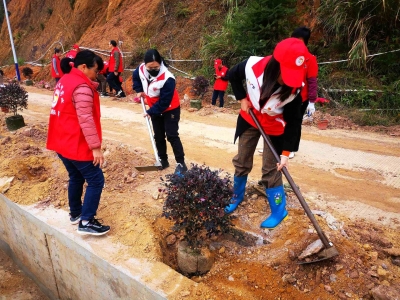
(355, 173)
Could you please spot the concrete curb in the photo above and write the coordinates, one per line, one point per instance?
(65, 269)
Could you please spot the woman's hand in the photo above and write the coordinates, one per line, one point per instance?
(245, 105)
(146, 116)
(116, 73)
(284, 162)
(98, 158)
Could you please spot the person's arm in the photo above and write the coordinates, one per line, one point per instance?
(312, 74)
(136, 81)
(225, 76)
(82, 98)
(54, 60)
(236, 76)
(292, 116)
(166, 95)
(117, 59)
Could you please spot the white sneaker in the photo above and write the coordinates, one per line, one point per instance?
(291, 155)
(260, 150)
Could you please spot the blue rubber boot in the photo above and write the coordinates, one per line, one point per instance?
(277, 201)
(239, 186)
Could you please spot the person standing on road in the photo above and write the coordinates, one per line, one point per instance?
(56, 72)
(73, 52)
(221, 82)
(101, 78)
(273, 94)
(309, 91)
(75, 135)
(155, 82)
(115, 68)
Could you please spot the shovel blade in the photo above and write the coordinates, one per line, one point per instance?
(147, 168)
(323, 255)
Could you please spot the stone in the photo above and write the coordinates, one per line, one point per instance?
(354, 274)
(221, 250)
(156, 195)
(313, 248)
(254, 197)
(328, 288)
(385, 293)
(28, 82)
(289, 278)
(185, 293)
(342, 296)
(392, 252)
(373, 274)
(374, 256)
(332, 277)
(396, 261)
(230, 278)
(171, 239)
(338, 267)
(382, 273)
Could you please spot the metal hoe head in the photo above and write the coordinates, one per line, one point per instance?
(325, 254)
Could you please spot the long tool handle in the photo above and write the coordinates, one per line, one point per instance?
(150, 133)
(296, 190)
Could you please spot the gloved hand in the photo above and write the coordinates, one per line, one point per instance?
(310, 109)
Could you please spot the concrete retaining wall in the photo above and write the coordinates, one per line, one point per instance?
(64, 269)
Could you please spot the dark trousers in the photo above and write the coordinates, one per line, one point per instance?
(243, 161)
(79, 172)
(113, 81)
(217, 94)
(167, 125)
(57, 79)
(103, 84)
(303, 110)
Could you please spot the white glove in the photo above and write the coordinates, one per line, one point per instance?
(310, 109)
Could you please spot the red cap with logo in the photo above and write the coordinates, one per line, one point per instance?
(217, 62)
(290, 53)
(75, 46)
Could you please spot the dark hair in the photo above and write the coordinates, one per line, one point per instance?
(302, 32)
(114, 43)
(271, 74)
(87, 57)
(153, 55)
(1, 73)
(56, 50)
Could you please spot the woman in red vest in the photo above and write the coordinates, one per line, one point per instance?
(153, 81)
(273, 94)
(221, 83)
(55, 65)
(75, 135)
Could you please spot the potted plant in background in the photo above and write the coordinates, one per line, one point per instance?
(196, 203)
(27, 72)
(13, 97)
(199, 88)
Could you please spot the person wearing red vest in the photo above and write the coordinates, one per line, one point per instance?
(115, 68)
(73, 52)
(74, 133)
(309, 91)
(56, 72)
(155, 82)
(221, 82)
(273, 94)
(101, 78)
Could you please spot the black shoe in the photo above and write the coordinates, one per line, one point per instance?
(94, 227)
(164, 164)
(104, 95)
(74, 220)
(181, 169)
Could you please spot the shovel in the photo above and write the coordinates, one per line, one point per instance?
(157, 165)
(329, 250)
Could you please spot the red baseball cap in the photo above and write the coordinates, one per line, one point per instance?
(290, 53)
(217, 62)
(75, 46)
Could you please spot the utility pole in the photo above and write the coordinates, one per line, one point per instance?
(12, 41)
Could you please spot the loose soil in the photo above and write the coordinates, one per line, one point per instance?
(350, 172)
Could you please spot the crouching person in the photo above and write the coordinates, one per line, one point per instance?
(75, 135)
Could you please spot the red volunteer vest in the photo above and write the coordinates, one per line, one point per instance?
(221, 85)
(154, 87)
(71, 54)
(272, 125)
(65, 135)
(111, 63)
(53, 72)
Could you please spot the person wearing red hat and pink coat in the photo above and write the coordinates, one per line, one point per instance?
(273, 94)
(221, 82)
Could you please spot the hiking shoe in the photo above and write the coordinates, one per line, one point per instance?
(164, 164)
(291, 155)
(121, 95)
(94, 227)
(180, 169)
(104, 95)
(74, 220)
